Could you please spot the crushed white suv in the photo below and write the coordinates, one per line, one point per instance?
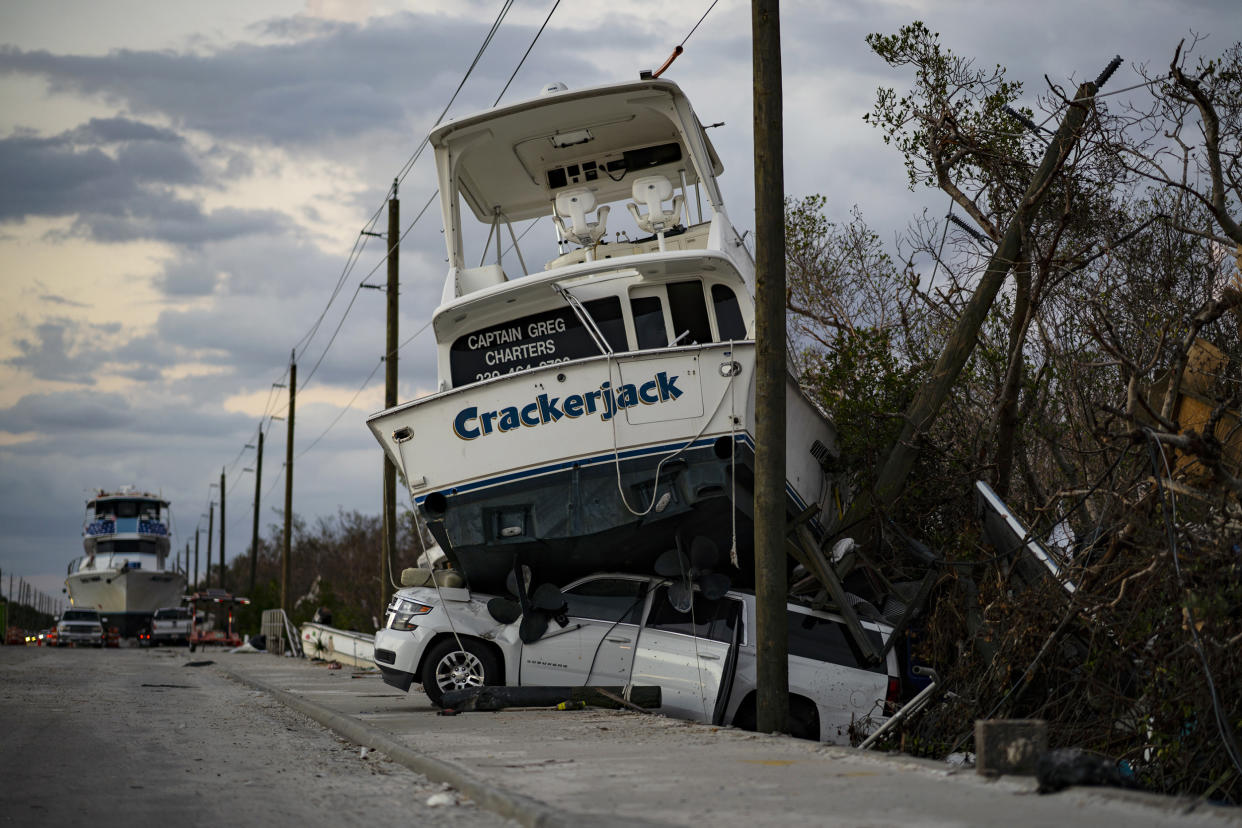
(624, 629)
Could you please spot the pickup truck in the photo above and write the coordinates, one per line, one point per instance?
(170, 625)
(79, 626)
(624, 629)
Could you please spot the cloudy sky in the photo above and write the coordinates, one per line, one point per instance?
(182, 183)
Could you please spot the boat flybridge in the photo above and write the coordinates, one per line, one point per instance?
(122, 573)
(599, 410)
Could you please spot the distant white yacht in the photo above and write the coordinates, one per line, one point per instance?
(122, 575)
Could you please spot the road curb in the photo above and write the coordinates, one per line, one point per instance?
(529, 812)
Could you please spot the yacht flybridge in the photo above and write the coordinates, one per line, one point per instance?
(599, 411)
(122, 575)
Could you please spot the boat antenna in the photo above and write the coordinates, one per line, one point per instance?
(680, 47)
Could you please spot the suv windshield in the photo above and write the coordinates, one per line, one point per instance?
(80, 615)
(172, 614)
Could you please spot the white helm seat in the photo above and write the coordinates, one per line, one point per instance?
(653, 191)
(574, 204)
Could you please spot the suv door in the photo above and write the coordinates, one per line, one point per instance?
(597, 647)
(826, 666)
(686, 653)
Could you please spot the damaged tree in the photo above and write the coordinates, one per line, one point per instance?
(1097, 393)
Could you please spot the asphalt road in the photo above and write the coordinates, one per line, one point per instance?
(132, 737)
(136, 738)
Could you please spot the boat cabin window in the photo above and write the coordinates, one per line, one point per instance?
(689, 312)
(126, 547)
(534, 340)
(649, 330)
(125, 508)
(728, 315)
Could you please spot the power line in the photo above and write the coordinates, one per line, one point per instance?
(701, 19)
(359, 245)
(518, 68)
(344, 408)
(359, 289)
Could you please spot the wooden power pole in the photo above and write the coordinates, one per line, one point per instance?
(284, 554)
(390, 398)
(771, 585)
(211, 523)
(254, 529)
(194, 579)
(222, 529)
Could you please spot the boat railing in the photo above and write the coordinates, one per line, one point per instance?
(113, 526)
(102, 526)
(692, 238)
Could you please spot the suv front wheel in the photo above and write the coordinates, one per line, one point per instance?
(450, 666)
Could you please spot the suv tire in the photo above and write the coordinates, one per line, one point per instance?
(452, 667)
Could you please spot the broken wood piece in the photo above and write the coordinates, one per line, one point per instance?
(500, 698)
(621, 701)
(802, 547)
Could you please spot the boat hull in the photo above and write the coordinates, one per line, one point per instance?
(343, 646)
(127, 597)
(666, 455)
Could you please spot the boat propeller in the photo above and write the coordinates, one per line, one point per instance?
(693, 569)
(537, 607)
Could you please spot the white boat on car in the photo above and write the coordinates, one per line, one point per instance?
(599, 411)
(122, 573)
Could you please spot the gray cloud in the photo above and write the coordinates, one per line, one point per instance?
(120, 195)
(63, 350)
(336, 80)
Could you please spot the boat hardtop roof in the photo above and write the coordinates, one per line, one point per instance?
(109, 497)
(514, 159)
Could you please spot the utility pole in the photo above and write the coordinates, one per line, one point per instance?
(284, 555)
(194, 587)
(222, 528)
(771, 581)
(390, 398)
(211, 517)
(254, 530)
(185, 564)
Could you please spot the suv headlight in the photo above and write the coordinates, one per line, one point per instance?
(403, 612)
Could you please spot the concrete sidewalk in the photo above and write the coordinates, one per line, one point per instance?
(592, 767)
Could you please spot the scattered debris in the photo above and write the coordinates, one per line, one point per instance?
(1059, 769)
(440, 799)
(198, 663)
(499, 698)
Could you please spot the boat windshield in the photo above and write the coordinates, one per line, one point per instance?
(146, 509)
(126, 547)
